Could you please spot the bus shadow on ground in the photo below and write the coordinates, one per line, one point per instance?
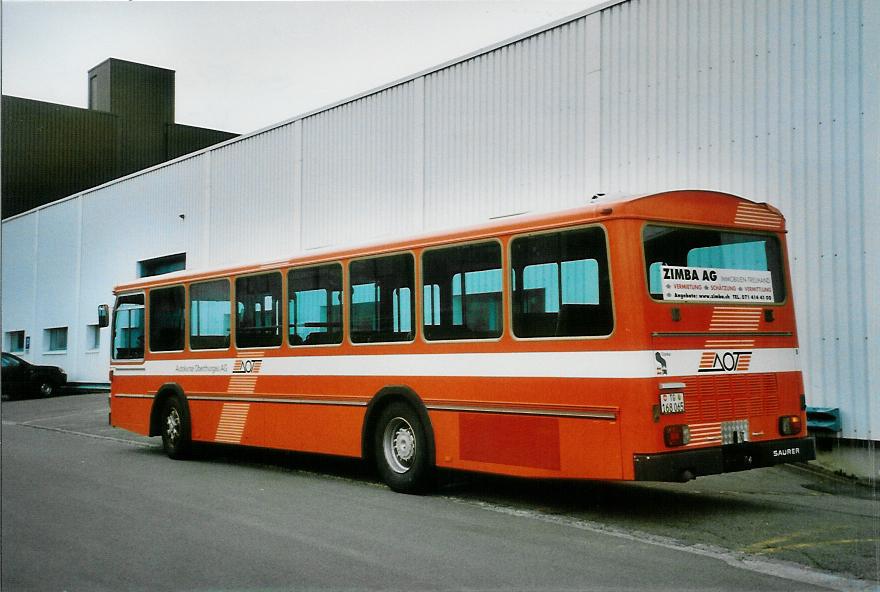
(606, 498)
(285, 460)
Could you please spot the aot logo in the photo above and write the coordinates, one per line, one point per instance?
(725, 361)
(247, 366)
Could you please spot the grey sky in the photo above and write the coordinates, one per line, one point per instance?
(244, 65)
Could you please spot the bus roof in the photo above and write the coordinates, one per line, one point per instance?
(681, 206)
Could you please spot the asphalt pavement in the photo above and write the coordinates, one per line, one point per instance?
(89, 507)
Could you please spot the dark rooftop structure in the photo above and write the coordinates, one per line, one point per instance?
(50, 151)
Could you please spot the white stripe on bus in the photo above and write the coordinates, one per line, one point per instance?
(603, 364)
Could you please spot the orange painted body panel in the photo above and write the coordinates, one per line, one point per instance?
(571, 427)
(132, 414)
(306, 428)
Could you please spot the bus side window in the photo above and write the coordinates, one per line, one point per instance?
(462, 292)
(315, 305)
(209, 314)
(258, 322)
(561, 285)
(167, 319)
(381, 307)
(128, 327)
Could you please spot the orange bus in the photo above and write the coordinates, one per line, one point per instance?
(641, 338)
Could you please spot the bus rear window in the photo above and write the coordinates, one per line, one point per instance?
(687, 264)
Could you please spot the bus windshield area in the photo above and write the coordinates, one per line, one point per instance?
(128, 327)
(713, 265)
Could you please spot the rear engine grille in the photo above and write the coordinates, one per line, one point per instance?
(723, 398)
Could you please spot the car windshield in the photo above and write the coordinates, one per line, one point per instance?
(704, 264)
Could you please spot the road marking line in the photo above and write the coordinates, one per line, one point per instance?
(772, 567)
(75, 433)
(760, 546)
(776, 548)
(66, 415)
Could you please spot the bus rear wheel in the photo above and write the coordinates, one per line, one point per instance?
(401, 449)
(175, 430)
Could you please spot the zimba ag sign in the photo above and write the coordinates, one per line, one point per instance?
(720, 285)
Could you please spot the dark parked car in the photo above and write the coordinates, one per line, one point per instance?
(21, 378)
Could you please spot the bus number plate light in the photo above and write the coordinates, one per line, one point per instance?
(671, 403)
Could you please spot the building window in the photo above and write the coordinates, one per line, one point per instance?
(93, 337)
(462, 292)
(382, 299)
(14, 341)
(160, 265)
(166, 319)
(561, 286)
(55, 339)
(209, 314)
(315, 305)
(258, 316)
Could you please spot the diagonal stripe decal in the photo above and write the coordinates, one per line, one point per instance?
(733, 319)
(233, 419)
(757, 215)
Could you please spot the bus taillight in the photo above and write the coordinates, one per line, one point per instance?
(789, 425)
(676, 435)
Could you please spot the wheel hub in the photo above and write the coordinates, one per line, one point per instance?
(404, 445)
(172, 426)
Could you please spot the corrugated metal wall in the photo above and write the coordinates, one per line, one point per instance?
(362, 166)
(764, 100)
(120, 225)
(774, 101)
(516, 129)
(252, 198)
(18, 269)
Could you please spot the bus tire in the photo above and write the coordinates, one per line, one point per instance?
(175, 429)
(400, 446)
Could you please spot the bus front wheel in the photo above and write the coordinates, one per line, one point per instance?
(175, 430)
(401, 449)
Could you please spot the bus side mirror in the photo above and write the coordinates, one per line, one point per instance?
(103, 315)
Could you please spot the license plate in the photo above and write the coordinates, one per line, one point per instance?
(671, 403)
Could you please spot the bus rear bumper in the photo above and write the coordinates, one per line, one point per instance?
(687, 464)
